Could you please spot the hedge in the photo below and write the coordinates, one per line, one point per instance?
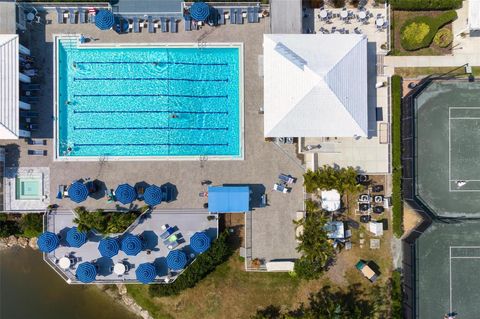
(412, 28)
(205, 263)
(414, 5)
(397, 155)
(397, 295)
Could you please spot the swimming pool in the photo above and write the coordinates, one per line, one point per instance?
(150, 101)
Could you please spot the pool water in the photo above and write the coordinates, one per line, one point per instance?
(28, 188)
(153, 101)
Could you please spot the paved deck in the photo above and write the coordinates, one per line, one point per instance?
(187, 223)
(273, 229)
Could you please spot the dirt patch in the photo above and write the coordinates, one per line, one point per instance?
(399, 18)
(235, 224)
(410, 218)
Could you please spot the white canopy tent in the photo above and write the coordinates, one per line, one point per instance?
(376, 228)
(330, 200)
(315, 85)
(474, 15)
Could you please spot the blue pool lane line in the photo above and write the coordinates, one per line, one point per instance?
(153, 128)
(153, 144)
(153, 62)
(151, 79)
(153, 111)
(154, 95)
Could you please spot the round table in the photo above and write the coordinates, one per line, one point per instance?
(119, 268)
(362, 14)
(323, 14)
(64, 263)
(343, 14)
(380, 22)
(30, 16)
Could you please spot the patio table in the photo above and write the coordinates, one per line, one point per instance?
(362, 15)
(344, 14)
(380, 22)
(64, 263)
(323, 14)
(119, 268)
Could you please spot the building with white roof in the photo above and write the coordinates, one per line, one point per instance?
(315, 85)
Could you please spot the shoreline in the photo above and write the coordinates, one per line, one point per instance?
(118, 295)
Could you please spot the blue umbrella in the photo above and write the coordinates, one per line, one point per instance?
(146, 273)
(108, 247)
(200, 242)
(78, 192)
(48, 242)
(125, 194)
(104, 19)
(176, 260)
(200, 11)
(153, 195)
(76, 238)
(86, 272)
(131, 245)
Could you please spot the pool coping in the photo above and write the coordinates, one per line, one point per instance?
(241, 73)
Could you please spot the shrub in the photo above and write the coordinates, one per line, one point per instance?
(443, 38)
(397, 295)
(205, 263)
(104, 222)
(311, 206)
(31, 225)
(418, 32)
(338, 3)
(425, 4)
(397, 156)
(328, 177)
(8, 227)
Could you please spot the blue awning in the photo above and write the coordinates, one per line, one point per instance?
(76, 238)
(200, 11)
(153, 195)
(146, 273)
(108, 247)
(48, 242)
(86, 272)
(125, 194)
(131, 245)
(228, 199)
(104, 19)
(200, 242)
(176, 260)
(78, 192)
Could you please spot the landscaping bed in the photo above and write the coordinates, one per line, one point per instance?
(400, 17)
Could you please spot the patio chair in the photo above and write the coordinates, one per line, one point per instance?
(130, 26)
(37, 142)
(72, 15)
(136, 25)
(151, 27)
(188, 23)
(173, 25)
(221, 16)
(233, 16)
(163, 22)
(37, 152)
(60, 16)
(82, 16)
(239, 16)
(167, 233)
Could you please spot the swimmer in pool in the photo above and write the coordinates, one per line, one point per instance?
(67, 102)
(174, 116)
(74, 65)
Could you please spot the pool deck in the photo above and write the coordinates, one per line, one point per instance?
(273, 235)
(187, 223)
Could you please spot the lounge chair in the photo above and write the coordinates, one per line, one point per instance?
(188, 23)
(170, 239)
(221, 16)
(37, 142)
(37, 152)
(82, 16)
(72, 15)
(163, 22)
(167, 233)
(136, 25)
(173, 245)
(233, 16)
(151, 27)
(280, 188)
(60, 16)
(239, 16)
(250, 15)
(173, 25)
(286, 178)
(28, 114)
(32, 127)
(92, 17)
(256, 14)
(30, 86)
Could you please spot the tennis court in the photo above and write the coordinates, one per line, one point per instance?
(448, 148)
(448, 267)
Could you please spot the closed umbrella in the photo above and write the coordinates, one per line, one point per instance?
(86, 272)
(76, 238)
(78, 192)
(104, 19)
(108, 247)
(200, 242)
(146, 273)
(125, 194)
(200, 11)
(153, 195)
(176, 260)
(48, 242)
(131, 245)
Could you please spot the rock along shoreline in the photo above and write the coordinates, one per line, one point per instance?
(119, 295)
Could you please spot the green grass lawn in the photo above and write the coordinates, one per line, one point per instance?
(424, 71)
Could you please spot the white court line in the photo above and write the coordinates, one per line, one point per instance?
(449, 152)
(463, 107)
(464, 118)
(466, 180)
(450, 261)
(463, 247)
(466, 257)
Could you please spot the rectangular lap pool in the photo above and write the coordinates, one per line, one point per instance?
(151, 101)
